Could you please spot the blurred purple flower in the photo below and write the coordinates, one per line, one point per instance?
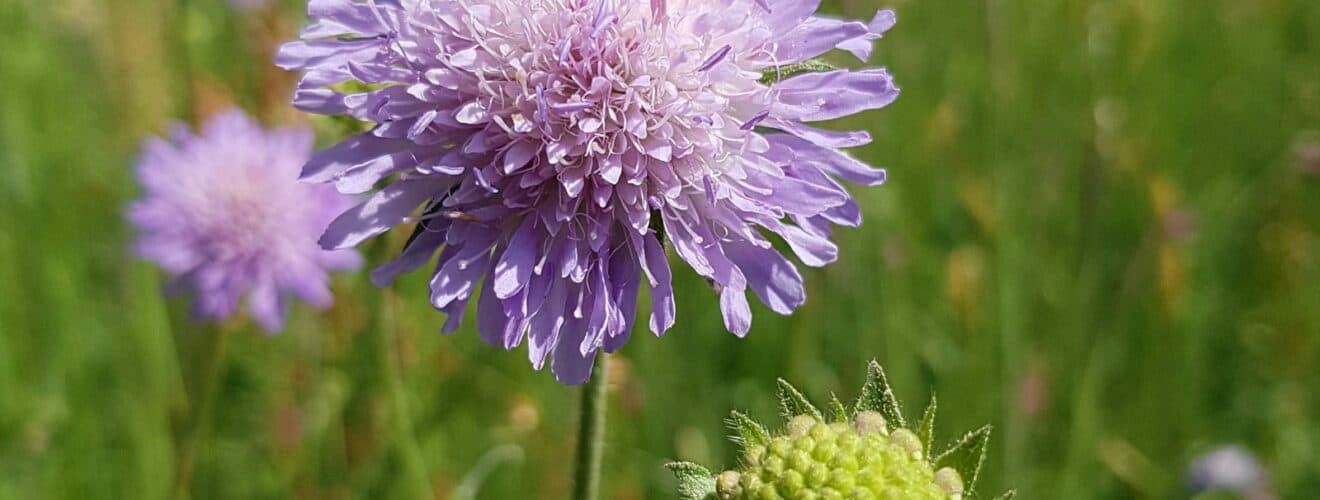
(1232, 469)
(555, 144)
(224, 213)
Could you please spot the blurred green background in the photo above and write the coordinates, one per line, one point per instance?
(1101, 234)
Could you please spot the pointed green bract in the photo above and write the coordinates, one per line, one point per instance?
(1008, 495)
(926, 428)
(877, 396)
(840, 413)
(793, 403)
(966, 456)
(694, 481)
(750, 433)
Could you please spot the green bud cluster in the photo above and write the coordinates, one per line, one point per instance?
(841, 460)
(866, 452)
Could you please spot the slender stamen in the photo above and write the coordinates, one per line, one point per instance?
(715, 58)
(756, 119)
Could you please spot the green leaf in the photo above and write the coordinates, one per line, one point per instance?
(780, 73)
(750, 433)
(926, 429)
(877, 396)
(836, 407)
(694, 481)
(966, 457)
(793, 403)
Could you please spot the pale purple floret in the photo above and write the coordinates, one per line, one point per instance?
(550, 145)
(224, 213)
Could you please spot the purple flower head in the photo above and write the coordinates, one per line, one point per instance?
(224, 213)
(550, 147)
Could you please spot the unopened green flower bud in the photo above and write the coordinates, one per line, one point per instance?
(780, 447)
(821, 431)
(754, 455)
(909, 441)
(728, 485)
(870, 422)
(825, 450)
(791, 483)
(800, 426)
(949, 482)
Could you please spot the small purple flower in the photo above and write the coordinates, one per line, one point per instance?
(224, 214)
(1229, 468)
(553, 146)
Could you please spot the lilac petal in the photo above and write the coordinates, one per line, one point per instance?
(625, 278)
(456, 278)
(786, 14)
(834, 94)
(570, 366)
(320, 101)
(339, 17)
(774, 279)
(662, 292)
(307, 54)
(356, 151)
(822, 137)
(415, 255)
(861, 46)
(515, 266)
(518, 155)
(491, 320)
(816, 36)
(830, 161)
(813, 250)
(385, 209)
(737, 312)
(795, 196)
(547, 323)
(267, 307)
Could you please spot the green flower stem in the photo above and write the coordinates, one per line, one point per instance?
(187, 99)
(591, 433)
(200, 408)
(405, 440)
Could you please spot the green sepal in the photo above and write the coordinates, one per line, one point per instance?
(749, 432)
(839, 412)
(966, 456)
(792, 403)
(694, 481)
(877, 396)
(926, 428)
(780, 73)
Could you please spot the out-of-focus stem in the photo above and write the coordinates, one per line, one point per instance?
(383, 330)
(201, 407)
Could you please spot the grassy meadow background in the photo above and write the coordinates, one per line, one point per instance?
(1101, 234)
